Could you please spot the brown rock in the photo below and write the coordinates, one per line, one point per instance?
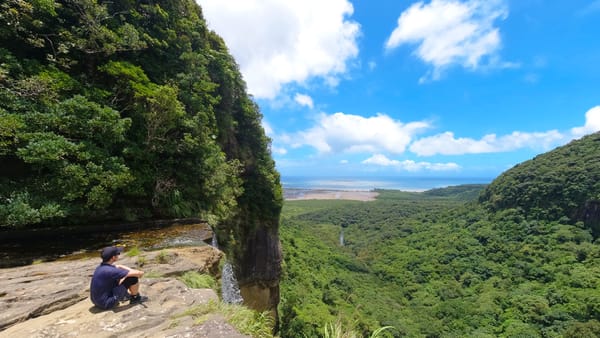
(52, 299)
(260, 271)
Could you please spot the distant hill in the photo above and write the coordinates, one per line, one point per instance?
(463, 192)
(561, 184)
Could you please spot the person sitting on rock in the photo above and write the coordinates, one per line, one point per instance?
(112, 283)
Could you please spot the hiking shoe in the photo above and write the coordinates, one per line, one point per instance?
(137, 299)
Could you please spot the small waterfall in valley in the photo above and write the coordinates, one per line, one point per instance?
(230, 290)
(342, 237)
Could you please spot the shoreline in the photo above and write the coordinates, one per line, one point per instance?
(295, 194)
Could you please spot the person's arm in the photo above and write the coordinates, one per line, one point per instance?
(131, 272)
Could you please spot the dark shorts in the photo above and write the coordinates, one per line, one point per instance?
(120, 292)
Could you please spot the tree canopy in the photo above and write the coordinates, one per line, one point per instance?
(561, 184)
(127, 110)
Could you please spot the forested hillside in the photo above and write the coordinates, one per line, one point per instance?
(126, 110)
(435, 265)
(563, 183)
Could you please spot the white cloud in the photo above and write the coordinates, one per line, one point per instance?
(341, 132)
(409, 165)
(279, 150)
(267, 128)
(304, 100)
(592, 123)
(452, 32)
(447, 144)
(271, 134)
(277, 42)
(382, 160)
(344, 162)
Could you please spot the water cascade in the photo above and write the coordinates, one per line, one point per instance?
(214, 242)
(230, 290)
(342, 237)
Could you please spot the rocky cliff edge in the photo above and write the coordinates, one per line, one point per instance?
(52, 299)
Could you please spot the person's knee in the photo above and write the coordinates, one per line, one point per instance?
(129, 281)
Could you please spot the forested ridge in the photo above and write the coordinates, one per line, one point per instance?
(127, 110)
(447, 263)
(561, 184)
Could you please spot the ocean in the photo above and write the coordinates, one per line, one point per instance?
(378, 182)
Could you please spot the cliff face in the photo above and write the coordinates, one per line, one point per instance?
(260, 271)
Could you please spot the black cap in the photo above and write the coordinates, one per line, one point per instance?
(110, 251)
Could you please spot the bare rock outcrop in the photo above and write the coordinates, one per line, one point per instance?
(52, 299)
(260, 271)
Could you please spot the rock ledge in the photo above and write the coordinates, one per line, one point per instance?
(52, 299)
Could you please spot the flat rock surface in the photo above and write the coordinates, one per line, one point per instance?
(52, 299)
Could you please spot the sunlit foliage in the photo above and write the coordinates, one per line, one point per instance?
(127, 110)
(433, 265)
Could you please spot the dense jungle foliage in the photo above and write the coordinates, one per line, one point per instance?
(563, 183)
(127, 110)
(436, 264)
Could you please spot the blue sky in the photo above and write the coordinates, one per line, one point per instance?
(401, 88)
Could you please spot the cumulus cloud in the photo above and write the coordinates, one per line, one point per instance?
(277, 42)
(341, 132)
(447, 144)
(592, 123)
(409, 165)
(450, 32)
(304, 100)
(382, 160)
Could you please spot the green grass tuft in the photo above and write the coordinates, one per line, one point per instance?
(162, 257)
(337, 330)
(197, 280)
(246, 321)
(135, 251)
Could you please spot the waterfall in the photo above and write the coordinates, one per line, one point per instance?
(342, 237)
(214, 242)
(230, 291)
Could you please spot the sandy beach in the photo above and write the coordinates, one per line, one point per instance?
(309, 194)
